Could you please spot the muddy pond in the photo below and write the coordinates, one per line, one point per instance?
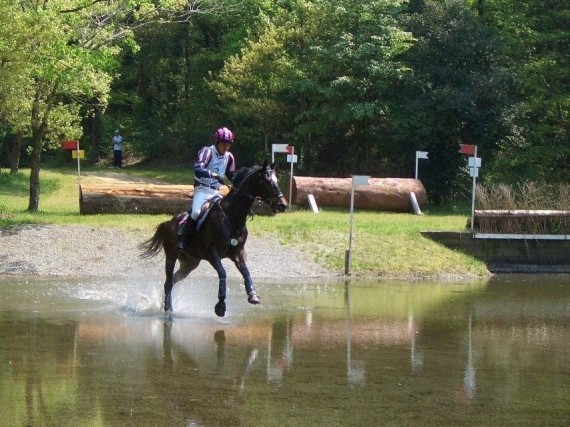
(101, 353)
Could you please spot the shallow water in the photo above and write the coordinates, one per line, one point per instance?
(101, 353)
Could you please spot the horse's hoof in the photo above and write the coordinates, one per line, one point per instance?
(253, 299)
(220, 309)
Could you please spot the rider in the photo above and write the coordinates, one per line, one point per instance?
(213, 163)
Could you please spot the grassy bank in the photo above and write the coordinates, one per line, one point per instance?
(385, 244)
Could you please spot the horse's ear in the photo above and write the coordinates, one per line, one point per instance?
(265, 163)
(272, 166)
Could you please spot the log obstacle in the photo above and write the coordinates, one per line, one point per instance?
(382, 194)
(519, 221)
(386, 194)
(142, 198)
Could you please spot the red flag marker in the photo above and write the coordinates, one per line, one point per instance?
(467, 149)
(69, 145)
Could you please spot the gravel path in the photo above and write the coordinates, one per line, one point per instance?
(75, 250)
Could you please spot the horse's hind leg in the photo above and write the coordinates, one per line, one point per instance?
(168, 283)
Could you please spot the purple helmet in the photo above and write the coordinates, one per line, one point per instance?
(224, 135)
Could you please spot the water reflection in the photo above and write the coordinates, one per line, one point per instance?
(494, 353)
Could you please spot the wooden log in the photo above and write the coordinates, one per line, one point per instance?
(131, 198)
(522, 221)
(520, 213)
(383, 194)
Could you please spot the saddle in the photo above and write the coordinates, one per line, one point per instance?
(206, 207)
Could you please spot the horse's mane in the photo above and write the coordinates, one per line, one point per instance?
(242, 173)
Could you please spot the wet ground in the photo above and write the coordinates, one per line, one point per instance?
(101, 353)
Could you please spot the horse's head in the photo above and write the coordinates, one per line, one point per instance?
(268, 189)
(260, 182)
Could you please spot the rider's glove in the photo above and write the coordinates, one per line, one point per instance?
(218, 178)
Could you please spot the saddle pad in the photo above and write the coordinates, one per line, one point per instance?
(183, 217)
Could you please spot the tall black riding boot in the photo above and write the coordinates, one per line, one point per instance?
(185, 233)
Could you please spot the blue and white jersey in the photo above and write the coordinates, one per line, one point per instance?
(210, 161)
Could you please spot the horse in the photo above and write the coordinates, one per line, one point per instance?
(222, 234)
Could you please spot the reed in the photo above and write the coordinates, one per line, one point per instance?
(530, 208)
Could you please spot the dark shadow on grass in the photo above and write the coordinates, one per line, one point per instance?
(14, 184)
(18, 184)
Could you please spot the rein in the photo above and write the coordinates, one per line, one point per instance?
(239, 190)
(251, 198)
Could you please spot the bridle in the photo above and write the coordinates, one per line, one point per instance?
(270, 200)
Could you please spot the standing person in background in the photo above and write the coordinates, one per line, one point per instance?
(214, 162)
(117, 150)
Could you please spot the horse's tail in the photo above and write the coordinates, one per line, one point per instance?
(152, 246)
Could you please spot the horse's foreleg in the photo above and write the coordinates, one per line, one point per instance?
(252, 297)
(168, 283)
(187, 265)
(220, 307)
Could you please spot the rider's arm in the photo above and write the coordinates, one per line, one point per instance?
(231, 168)
(200, 167)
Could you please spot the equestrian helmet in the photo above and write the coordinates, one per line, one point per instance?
(224, 135)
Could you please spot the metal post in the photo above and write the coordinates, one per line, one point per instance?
(473, 191)
(78, 167)
(416, 176)
(348, 254)
(291, 176)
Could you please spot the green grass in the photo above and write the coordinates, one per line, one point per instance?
(384, 244)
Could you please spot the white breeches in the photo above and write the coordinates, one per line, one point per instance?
(201, 195)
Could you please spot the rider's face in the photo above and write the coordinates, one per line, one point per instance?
(223, 147)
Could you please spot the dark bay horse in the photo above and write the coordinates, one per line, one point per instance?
(222, 234)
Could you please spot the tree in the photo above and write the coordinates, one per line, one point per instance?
(458, 93)
(322, 68)
(255, 83)
(15, 64)
(535, 46)
(69, 49)
(161, 94)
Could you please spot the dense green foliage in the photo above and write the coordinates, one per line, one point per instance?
(357, 86)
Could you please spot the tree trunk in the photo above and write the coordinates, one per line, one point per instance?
(383, 194)
(137, 198)
(134, 198)
(131, 198)
(39, 129)
(34, 201)
(14, 152)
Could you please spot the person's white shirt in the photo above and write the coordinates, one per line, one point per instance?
(117, 142)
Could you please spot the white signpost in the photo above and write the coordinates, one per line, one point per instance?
(474, 164)
(291, 158)
(278, 148)
(356, 181)
(420, 155)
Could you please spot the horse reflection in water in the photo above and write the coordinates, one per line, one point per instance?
(221, 235)
(229, 353)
